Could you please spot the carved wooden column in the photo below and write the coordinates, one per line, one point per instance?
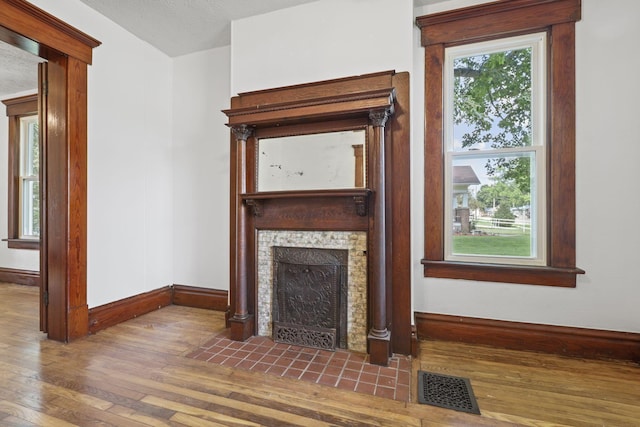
(242, 321)
(379, 336)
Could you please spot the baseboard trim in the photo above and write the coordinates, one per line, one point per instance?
(20, 277)
(569, 341)
(111, 314)
(104, 316)
(193, 296)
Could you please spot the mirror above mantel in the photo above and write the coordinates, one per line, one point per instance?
(317, 161)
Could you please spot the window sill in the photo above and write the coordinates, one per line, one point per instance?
(528, 275)
(33, 244)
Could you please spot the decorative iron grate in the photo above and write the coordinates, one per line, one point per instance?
(309, 297)
(324, 339)
(446, 391)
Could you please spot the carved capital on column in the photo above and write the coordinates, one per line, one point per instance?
(255, 205)
(361, 205)
(379, 117)
(242, 132)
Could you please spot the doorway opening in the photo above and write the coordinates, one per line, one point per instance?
(63, 259)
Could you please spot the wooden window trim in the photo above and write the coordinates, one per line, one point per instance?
(17, 108)
(488, 21)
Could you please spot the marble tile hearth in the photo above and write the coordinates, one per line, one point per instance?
(342, 369)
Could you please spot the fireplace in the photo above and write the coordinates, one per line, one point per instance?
(310, 296)
(352, 248)
(375, 103)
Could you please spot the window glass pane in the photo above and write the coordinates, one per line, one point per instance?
(493, 211)
(492, 96)
(29, 149)
(29, 169)
(32, 150)
(30, 209)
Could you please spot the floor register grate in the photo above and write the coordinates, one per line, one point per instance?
(446, 391)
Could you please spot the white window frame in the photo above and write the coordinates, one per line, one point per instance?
(538, 43)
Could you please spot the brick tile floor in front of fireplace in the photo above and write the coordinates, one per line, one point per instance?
(341, 368)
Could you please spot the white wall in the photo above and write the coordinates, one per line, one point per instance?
(607, 296)
(319, 41)
(130, 211)
(201, 169)
(22, 259)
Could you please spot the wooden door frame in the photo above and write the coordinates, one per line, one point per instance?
(63, 251)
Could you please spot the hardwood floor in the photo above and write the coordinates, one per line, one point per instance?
(136, 374)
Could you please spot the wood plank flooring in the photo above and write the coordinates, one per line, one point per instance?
(136, 374)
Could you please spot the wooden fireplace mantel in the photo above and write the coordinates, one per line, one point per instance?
(377, 103)
(330, 210)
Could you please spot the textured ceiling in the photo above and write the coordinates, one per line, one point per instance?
(18, 70)
(179, 27)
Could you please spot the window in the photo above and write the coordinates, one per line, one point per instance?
(24, 181)
(500, 142)
(29, 189)
(494, 139)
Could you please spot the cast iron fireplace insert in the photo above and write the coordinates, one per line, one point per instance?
(310, 297)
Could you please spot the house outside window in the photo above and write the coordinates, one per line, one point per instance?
(24, 181)
(500, 108)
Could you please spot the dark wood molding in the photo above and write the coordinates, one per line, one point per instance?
(41, 31)
(331, 210)
(21, 277)
(415, 345)
(399, 258)
(67, 171)
(489, 21)
(517, 274)
(433, 155)
(193, 296)
(568, 341)
(322, 108)
(45, 309)
(561, 181)
(301, 92)
(22, 106)
(64, 162)
(31, 244)
(16, 109)
(111, 314)
(503, 18)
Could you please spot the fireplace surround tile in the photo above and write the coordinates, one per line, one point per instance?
(354, 242)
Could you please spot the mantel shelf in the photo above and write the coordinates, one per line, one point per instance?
(360, 197)
(349, 192)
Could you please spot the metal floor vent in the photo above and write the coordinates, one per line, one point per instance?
(446, 391)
